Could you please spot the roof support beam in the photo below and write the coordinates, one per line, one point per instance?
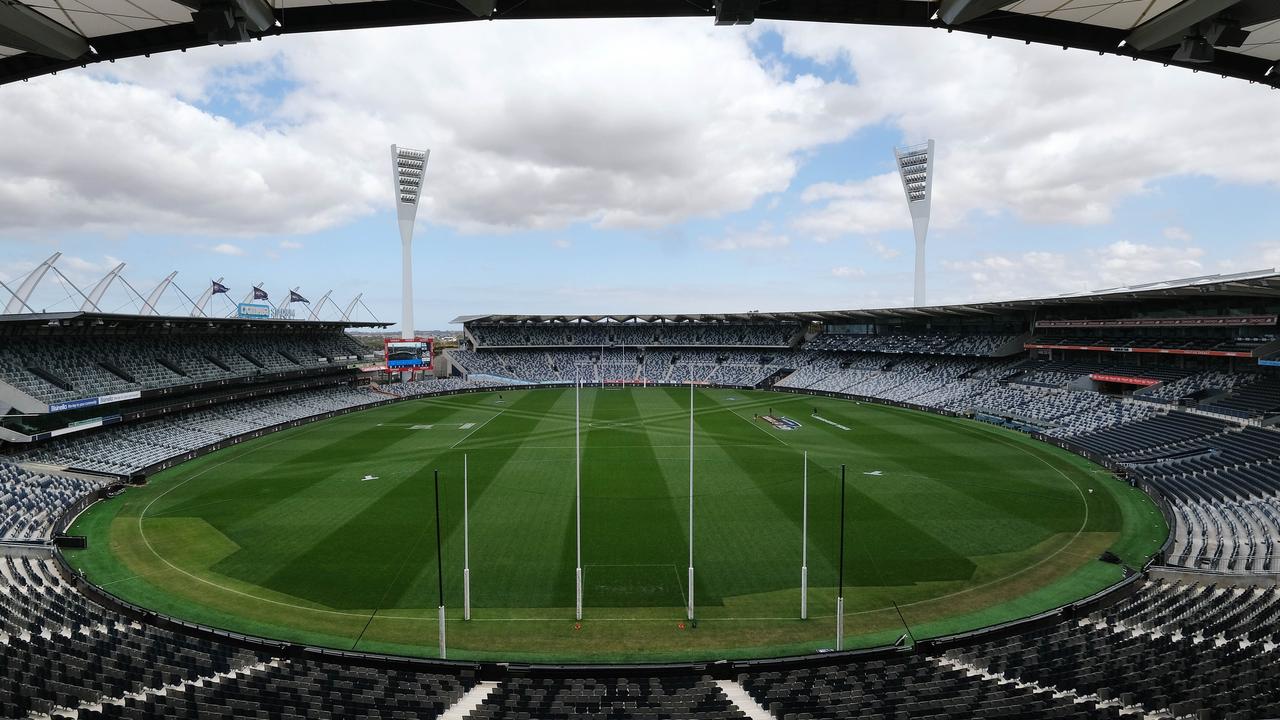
(1169, 27)
(480, 8)
(149, 307)
(19, 299)
(29, 30)
(95, 295)
(955, 12)
(736, 12)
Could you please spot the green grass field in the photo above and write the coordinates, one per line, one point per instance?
(325, 534)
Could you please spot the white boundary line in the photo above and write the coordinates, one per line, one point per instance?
(995, 437)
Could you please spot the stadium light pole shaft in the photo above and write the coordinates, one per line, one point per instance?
(840, 572)
(439, 565)
(690, 608)
(466, 545)
(577, 487)
(804, 542)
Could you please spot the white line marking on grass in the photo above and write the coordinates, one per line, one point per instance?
(476, 430)
(1038, 563)
(761, 429)
(829, 422)
(161, 558)
(568, 615)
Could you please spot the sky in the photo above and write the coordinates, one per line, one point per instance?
(632, 166)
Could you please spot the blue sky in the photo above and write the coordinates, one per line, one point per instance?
(635, 184)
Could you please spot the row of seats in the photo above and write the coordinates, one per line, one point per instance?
(647, 334)
(635, 365)
(31, 502)
(129, 448)
(1241, 343)
(61, 368)
(1174, 648)
(927, 343)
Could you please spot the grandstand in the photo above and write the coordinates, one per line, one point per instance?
(93, 402)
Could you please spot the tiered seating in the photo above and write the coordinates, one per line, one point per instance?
(437, 385)
(1062, 413)
(909, 687)
(726, 367)
(62, 650)
(639, 334)
(649, 698)
(1242, 343)
(1199, 382)
(302, 689)
(129, 448)
(1258, 398)
(1059, 373)
(929, 343)
(1147, 436)
(55, 369)
(31, 502)
(125, 449)
(1173, 648)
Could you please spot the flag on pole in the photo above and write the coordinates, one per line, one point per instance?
(296, 298)
(260, 294)
(219, 288)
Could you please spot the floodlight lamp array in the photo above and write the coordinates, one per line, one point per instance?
(914, 168)
(410, 165)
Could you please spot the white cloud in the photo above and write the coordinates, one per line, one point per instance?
(884, 252)
(1270, 254)
(1045, 135)
(1040, 273)
(562, 243)
(866, 206)
(761, 239)
(227, 249)
(632, 138)
(1178, 233)
(290, 245)
(844, 271)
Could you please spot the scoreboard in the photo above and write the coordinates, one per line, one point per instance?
(415, 354)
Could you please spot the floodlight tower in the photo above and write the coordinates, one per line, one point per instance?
(407, 169)
(915, 166)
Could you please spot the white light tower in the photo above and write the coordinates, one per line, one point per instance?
(407, 170)
(915, 166)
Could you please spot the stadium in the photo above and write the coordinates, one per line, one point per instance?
(1065, 506)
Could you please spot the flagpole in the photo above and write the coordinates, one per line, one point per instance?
(466, 545)
(439, 566)
(840, 582)
(577, 487)
(690, 608)
(804, 542)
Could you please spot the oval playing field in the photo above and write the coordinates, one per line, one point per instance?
(325, 534)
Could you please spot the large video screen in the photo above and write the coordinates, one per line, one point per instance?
(409, 354)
